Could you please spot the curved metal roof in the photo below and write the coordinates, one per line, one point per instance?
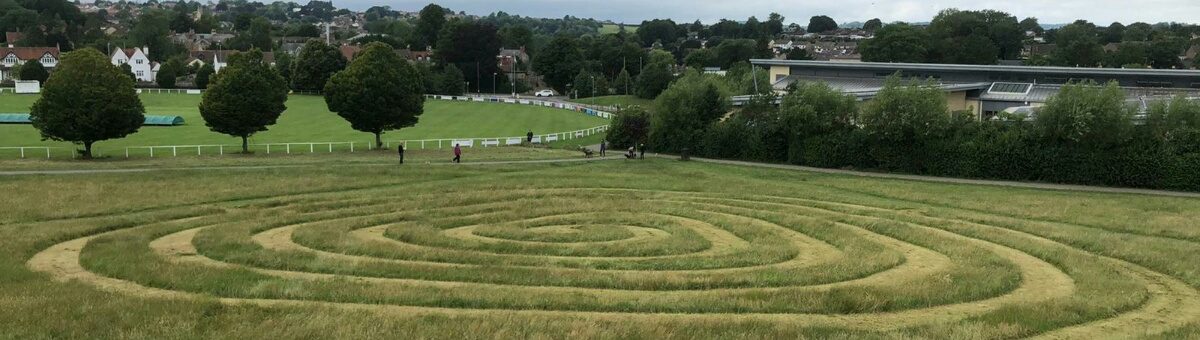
(23, 118)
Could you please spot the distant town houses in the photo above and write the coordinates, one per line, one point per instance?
(12, 56)
(220, 58)
(351, 51)
(139, 62)
(200, 41)
(513, 61)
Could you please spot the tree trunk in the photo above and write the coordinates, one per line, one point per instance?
(87, 150)
(245, 145)
(378, 140)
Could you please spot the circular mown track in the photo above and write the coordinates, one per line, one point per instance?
(628, 254)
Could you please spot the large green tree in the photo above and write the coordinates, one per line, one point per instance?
(316, 63)
(653, 79)
(429, 24)
(896, 43)
(378, 92)
(683, 112)
(33, 70)
(204, 76)
(901, 122)
(1078, 45)
(245, 98)
(472, 46)
(87, 100)
(821, 24)
(558, 62)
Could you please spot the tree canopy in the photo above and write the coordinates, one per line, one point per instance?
(87, 100)
(378, 92)
(316, 63)
(245, 98)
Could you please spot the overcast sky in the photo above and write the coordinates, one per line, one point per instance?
(634, 11)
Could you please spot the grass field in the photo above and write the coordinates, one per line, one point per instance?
(612, 249)
(308, 120)
(613, 29)
(615, 101)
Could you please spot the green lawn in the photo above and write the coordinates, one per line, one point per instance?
(610, 249)
(613, 29)
(617, 100)
(308, 120)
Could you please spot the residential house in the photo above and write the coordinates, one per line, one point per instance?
(220, 58)
(513, 60)
(200, 41)
(12, 56)
(139, 62)
(351, 51)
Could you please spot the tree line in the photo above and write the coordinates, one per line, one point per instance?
(1085, 134)
(987, 36)
(90, 100)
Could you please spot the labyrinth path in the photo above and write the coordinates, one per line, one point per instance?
(633, 255)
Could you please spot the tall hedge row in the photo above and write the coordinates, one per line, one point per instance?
(1086, 134)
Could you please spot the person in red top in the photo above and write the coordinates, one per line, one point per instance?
(457, 154)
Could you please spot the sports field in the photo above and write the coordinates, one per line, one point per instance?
(309, 120)
(617, 100)
(611, 249)
(613, 29)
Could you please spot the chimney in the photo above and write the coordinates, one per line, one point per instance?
(146, 51)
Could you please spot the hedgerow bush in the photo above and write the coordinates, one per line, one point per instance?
(1086, 134)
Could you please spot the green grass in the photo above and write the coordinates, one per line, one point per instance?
(613, 29)
(617, 100)
(308, 120)
(341, 246)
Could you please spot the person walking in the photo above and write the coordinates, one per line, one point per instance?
(642, 150)
(603, 146)
(529, 136)
(400, 150)
(457, 153)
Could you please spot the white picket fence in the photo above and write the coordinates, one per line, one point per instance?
(30, 150)
(329, 147)
(219, 149)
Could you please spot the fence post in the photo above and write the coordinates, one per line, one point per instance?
(222, 148)
(47, 153)
(126, 152)
(268, 148)
(174, 151)
(331, 147)
(22, 152)
(288, 148)
(351, 146)
(198, 150)
(151, 152)
(310, 148)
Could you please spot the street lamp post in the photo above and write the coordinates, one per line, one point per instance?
(593, 90)
(493, 83)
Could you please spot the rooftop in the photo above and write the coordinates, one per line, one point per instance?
(979, 68)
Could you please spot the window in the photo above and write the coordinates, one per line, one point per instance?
(139, 61)
(140, 73)
(10, 59)
(47, 59)
(120, 61)
(1021, 88)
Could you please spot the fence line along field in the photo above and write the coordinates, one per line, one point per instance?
(608, 249)
(308, 120)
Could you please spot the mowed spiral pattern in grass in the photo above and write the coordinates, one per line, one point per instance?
(614, 253)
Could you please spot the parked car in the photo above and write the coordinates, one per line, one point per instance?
(544, 93)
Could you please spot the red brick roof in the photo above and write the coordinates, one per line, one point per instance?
(29, 53)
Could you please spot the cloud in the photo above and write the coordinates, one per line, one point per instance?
(634, 11)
